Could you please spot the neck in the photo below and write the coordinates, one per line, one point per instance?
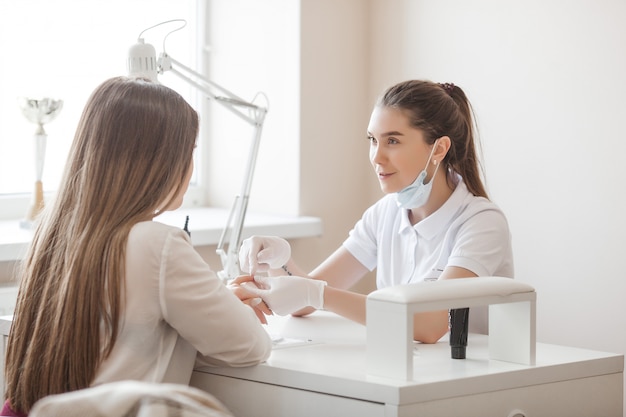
(442, 190)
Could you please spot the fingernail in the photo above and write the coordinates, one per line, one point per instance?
(255, 301)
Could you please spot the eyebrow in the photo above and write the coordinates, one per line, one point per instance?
(391, 133)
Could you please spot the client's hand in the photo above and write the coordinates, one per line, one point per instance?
(260, 253)
(254, 301)
(288, 294)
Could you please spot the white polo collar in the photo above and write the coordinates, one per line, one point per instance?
(431, 226)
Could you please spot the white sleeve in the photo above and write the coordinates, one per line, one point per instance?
(362, 241)
(483, 244)
(196, 303)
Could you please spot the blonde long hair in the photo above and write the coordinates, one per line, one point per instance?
(131, 152)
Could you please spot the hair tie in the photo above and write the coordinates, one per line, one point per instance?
(447, 87)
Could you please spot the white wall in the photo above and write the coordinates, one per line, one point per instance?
(335, 173)
(547, 80)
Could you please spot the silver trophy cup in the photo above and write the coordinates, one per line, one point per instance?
(40, 112)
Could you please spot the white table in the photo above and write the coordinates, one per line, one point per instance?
(319, 369)
(327, 377)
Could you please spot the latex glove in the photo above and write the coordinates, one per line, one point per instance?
(252, 300)
(287, 294)
(262, 253)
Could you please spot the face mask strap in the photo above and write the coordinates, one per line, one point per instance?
(432, 151)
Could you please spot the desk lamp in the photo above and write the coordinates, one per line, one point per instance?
(142, 62)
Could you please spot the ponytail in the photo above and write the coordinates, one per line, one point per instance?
(442, 110)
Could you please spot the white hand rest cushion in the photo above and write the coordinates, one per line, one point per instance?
(456, 293)
(512, 319)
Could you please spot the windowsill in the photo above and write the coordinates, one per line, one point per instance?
(205, 224)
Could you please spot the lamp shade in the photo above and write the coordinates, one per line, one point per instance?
(142, 61)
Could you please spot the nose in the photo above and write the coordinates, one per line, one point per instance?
(376, 154)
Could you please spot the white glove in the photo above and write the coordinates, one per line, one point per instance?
(261, 253)
(288, 294)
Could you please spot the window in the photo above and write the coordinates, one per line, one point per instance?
(254, 46)
(63, 49)
(246, 46)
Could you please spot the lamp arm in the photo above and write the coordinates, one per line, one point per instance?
(229, 100)
(230, 257)
(251, 113)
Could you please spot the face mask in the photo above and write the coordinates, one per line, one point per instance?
(416, 194)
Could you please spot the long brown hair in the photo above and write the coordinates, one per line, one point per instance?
(441, 110)
(131, 152)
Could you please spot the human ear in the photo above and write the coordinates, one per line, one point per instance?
(442, 146)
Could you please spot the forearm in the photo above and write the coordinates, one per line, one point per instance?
(428, 327)
(347, 304)
(350, 305)
(340, 271)
(290, 268)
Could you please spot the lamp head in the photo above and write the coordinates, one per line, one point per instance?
(142, 60)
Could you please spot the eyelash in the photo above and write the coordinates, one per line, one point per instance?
(392, 141)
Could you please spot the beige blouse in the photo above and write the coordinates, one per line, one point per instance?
(178, 314)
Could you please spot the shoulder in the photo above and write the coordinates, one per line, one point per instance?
(471, 205)
(480, 215)
(153, 236)
(475, 205)
(155, 229)
(465, 213)
(480, 218)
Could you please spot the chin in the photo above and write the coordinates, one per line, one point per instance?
(388, 190)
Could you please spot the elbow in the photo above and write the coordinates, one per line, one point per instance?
(265, 350)
(251, 356)
(429, 338)
(431, 326)
(431, 333)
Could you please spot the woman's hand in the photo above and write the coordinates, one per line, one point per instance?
(287, 294)
(249, 298)
(262, 253)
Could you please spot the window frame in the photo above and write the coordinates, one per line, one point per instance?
(14, 205)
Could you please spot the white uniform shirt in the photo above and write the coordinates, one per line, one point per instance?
(178, 313)
(467, 231)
